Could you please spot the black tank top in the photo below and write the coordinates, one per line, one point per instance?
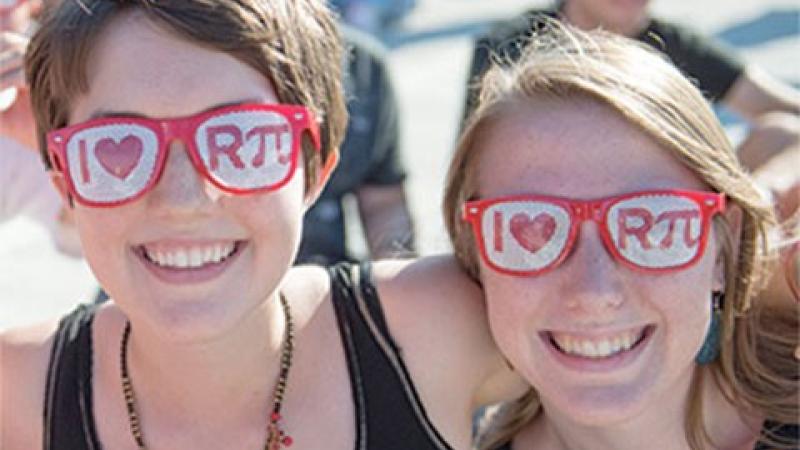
(389, 413)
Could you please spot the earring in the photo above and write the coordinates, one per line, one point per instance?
(709, 351)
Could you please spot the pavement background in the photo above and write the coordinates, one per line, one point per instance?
(429, 57)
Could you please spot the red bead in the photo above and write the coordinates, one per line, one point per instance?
(275, 417)
(287, 441)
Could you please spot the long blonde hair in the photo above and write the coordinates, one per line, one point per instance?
(756, 369)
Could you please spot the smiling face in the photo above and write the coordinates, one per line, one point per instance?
(186, 257)
(599, 341)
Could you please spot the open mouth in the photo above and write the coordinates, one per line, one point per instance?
(598, 348)
(190, 257)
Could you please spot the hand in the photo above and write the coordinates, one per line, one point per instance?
(16, 115)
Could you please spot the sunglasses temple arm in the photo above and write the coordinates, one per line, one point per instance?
(330, 163)
(332, 159)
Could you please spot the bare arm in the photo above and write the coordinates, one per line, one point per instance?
(24, 355)
(772, 148)
(756, 93)
(437, 316)
(386, 220)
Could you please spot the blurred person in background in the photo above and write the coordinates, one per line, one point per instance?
(370, 167)
(771, 149)
(24, 188)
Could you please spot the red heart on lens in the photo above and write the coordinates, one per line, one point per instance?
(119, 159)
(533, 234)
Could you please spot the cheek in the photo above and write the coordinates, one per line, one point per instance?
(104, 241)
(513, 308)
(102, 230)
(686, 304)
(275, 216)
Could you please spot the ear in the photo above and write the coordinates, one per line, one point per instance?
(322, 179)
(60, 184)
(732, 217)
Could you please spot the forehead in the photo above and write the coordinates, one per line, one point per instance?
(138, 66)
(574, 148)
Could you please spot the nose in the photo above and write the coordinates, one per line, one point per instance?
(180, 190)
(592, 283)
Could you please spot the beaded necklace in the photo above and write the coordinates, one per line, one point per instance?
(276, 436)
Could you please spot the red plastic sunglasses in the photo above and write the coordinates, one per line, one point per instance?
(652, 231)
(241, 149)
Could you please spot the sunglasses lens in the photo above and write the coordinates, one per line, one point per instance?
(247, 149)
(656, 231)
(111, 163)
(524, 236)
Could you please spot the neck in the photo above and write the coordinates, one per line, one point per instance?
(586, 21)
(191, 381)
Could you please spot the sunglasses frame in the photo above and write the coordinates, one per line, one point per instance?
(300, 118)
(597, 210)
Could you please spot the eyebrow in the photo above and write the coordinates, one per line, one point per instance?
(103, 113)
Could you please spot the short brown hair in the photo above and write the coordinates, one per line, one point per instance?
(293, 43)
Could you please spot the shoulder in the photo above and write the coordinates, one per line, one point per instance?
(680, 41)
(729, 425)
(307, 287)
(435, 284)
(24, 359)
(431, 304)
(666, 28)
(437, 318)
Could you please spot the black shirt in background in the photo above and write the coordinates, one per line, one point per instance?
(369, 155)
(712, 67)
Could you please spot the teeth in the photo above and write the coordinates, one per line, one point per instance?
(596, 348)
(604, 348)
(616, 345)
(587, 348)
(567, 344)
(181, 259)
(196, 257)
(209, 254)
(193, 257)
(626, 341)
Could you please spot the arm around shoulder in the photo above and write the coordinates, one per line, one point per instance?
(24, 356)
(437, 315)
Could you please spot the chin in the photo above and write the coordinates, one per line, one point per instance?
(196, 321)
(598, 407)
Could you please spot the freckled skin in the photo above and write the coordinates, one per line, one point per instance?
(139, 68)
(580, 149)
